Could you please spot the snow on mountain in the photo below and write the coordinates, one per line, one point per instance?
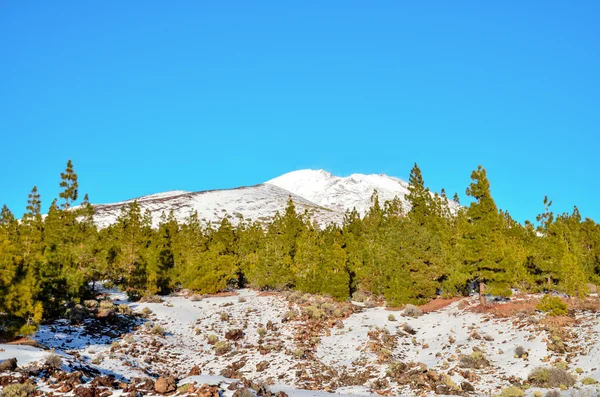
(253, 203)
(342, 193)
(324, 195)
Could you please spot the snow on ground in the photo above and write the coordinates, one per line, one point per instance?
(438, 341)
(25, 355)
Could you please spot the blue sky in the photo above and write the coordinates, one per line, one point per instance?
(149, 96)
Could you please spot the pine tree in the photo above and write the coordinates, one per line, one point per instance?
(69, 185)
(484, 246)
(418, 197)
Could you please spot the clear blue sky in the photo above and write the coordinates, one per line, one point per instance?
(150, 96)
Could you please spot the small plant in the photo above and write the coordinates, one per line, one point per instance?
(412, 311)
(391, 317)
(560, 365)
(222, 347)
(115, 345)
(476, 360)
(196, 298)
(588, 381)
(512, 391)
(313, 312)
(242, 299)
(520, 352)
(224, 316)
(552, 305)
(359, 296)
(408, 329)
(212, 339)
(129, 339)
(19, 389)
(107, 305)
(198, 331)
(158, 330)
(369, 304)
(537, 393)
(579, 370)
(146, 311)
(91, 304)
(53, 361)
(299, 353)
(261, 332)
(151, 299)
(551, 377)
(124, 309)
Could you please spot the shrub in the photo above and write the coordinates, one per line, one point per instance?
(369, 304)
(77, 314)
(196, 298)
(124, 309)
(553, 393)
(299, 353)
(129, 339)
(261, 332)
(152, 299)
(313, 312)
(391, 317)
(146, 311)
(53, 361)
(158, 330)
(224, 316)
(476, 360)
(551, 377)
(212, 339)
(552, 305)
(588, 381)
(359, 296)
(579, 370)
(512, 391)
(107, 305)
(91, 304)
(520, 351)
(537, 393)
(242, 299)
(19, 389)
(408, 329)
(560, 365)
(412, 311)
(222, 347)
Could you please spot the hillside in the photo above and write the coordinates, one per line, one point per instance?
(327, 197)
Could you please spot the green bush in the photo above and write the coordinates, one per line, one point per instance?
(19, 390)
(588, 381)
(158, 330)
(391, 317)
(552, 305)
(222, 347)
(512, 391)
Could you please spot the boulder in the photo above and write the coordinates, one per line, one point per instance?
(467, 387)
(8, 365)
(165, 385)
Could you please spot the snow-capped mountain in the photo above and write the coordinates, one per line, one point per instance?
(324, 195)
(342, 193)
(251, 203)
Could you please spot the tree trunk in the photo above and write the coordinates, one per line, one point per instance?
(549, 285)
(481, 290)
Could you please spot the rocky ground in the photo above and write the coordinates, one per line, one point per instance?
(248, 343)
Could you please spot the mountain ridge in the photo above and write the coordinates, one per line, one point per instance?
(325, 196)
